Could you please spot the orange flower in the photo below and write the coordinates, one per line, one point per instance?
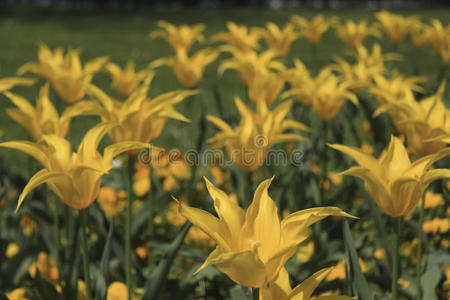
(46, 267)
(111, 201)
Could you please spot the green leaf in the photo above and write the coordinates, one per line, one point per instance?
(359, 282)
(238, 293)
(429, 281)
(157, 279)
(102, 279)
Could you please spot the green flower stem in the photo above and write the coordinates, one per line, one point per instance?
(85, 254)
(128, 227)
(150, 226)
(419, 249)
(56, 231)
(255, 294)
(396, 258)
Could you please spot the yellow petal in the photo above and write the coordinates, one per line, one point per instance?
(115, 149)
(262, 223)
(304, 290)
(29, 148)
(205, 221)
(436, 174)
(396, 159)
(39, 178)
(228, 211)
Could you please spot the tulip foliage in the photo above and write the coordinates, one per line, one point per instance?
(324, 178)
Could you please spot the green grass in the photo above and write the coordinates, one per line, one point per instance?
(124, 35)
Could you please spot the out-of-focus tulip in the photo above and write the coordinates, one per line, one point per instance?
(46, 266)
(73, 176)
(395, 27)
(239, 37)
(44, 118)
(266, 87)
(248, 144)
(392, 180)
(181, 37)
(353, 33)
(280, 288)
(250, 64)
(314, 29)
(252, 247)
(138, 118)
(65, 73)
(118, 291)
(111, 201)
(439, 35)
(420, 33)
(279, 39)
(426, 124)
(125, 81)
(189, 70)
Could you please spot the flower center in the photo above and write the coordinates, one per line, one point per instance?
(254, 244)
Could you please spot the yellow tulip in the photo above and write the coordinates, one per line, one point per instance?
(279, 40)
(420, 33)
(117, 291)
(138, 118)
(445, 55)
(189, 70)
(299, 80)
(73, 176)
(181, 37)
(10, 82)
(248, 144)
(395, 26)
(426, 124)
(44, 118)
(439, 35)
(46, 266)
(353, 33)
(325, 93)
(392, 180)
(398, 87)
(252, 247)
(64, 72)
(314, 29)
(280, 288)
(239, 37)
(251, 65)
(125, 81)
(368, 65)
(266, 87)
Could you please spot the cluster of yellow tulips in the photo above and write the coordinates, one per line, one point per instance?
(252, 243)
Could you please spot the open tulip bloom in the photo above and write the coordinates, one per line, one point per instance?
(181, 37)
(73, 176)
(253, 246)
(392, 180)
(10, 82)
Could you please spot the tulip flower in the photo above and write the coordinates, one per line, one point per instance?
(189, 70)
(266, 87)
(279, 40)
(239, 37)
(299, 80)
(252, 247)
(44, 118)
(181, 37)
(248, 144)
(314, 29)
(439, 35)
(353, 33)
(280, 288)
(445, 55)
(420, 33)
(395, 26)
(138, 118)
(326, 93)
(398, 87)
(368, 65)
(10, 82)
(64, 72)
(73, 176)
(426, 124)
(392, 180)
(125, 81)
(250, 64)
